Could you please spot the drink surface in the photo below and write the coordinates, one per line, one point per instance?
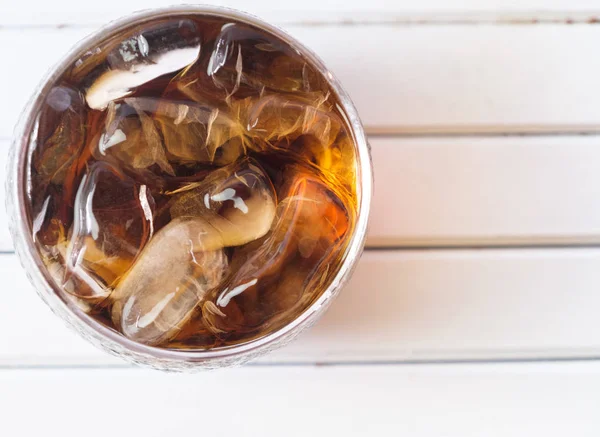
(192, 183)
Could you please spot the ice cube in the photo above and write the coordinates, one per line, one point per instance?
(167, 48)
(195, 133)
(307, 127)
(60, 134)
(182, 262)
(238, 200)
(51, 217)
(245, 62)
(274, 118)
(289, 74)
(55, 146)
(131, 138)
(193, 334)
(140, 48)
(112, 222)
(309, 229)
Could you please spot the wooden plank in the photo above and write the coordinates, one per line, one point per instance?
(399, 306)
(486, 191)
(432, 79)
(543, 399)
(69, 12)
(473, 191)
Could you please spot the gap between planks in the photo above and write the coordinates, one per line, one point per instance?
(19, 365)
(374, 18)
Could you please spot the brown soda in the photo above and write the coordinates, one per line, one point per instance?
(192, 183)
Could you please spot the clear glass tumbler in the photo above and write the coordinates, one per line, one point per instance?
(107, 338)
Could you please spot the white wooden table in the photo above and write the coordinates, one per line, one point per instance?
(475, 310)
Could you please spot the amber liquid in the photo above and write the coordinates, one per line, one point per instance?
(192, 183)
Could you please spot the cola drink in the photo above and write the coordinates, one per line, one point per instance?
(191, 182)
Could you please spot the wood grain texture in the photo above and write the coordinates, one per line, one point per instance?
(473, 191)
(399, 306)
(421, 401)
(69, 12)
(408, 79)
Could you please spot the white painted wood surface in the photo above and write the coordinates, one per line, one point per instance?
(420, 401)
(438, 84)
(486, 191)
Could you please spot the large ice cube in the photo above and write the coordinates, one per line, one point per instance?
(163, 49)
(170, 278)
(112, 222)
(237, 200)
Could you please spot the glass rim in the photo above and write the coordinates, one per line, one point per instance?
(94, 330)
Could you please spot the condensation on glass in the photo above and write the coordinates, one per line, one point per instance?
(191, 182)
